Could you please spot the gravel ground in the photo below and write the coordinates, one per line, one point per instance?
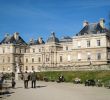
(57, 91)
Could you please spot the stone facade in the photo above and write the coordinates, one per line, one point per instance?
(88, 50)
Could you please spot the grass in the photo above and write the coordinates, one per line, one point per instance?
(70, 75)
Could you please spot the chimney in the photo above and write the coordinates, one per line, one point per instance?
(85, 23)
(16, 35)
(32, 40)
(40, 40)
(102, 23)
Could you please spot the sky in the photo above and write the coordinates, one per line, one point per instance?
(38, 18)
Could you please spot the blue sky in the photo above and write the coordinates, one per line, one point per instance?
(38, 18)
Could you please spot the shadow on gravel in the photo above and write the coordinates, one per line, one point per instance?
(40, 86)
(6, 94)
(18, 87)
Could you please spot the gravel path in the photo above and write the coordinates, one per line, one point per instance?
(57, 91)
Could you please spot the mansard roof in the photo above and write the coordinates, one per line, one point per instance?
(93, 28)
(66, 39)
(52, 38)
(36, 42)
(11, 39)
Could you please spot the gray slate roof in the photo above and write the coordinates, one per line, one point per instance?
(93, 28)
(11, 39)
(35, 42)
(66, 39)
(52, 38)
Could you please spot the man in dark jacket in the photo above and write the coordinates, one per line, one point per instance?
(13, 80)
(33, 79)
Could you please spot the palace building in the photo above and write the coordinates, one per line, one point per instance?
(87, 50)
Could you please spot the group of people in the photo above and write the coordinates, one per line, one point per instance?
(32, 77)
(26, 77)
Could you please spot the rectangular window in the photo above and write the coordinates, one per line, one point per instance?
(26, 60)
(61, 59)
(32, 59)
(3, 60)
(32, 67)
(26, 67)
(33, 50)
(47, 59)
(3, 50)
(39, 60)
(88, 43)
(79, 44)
(16, 59)
(98, 42)
(21, 60)
(66, 47)
(8, 59)
(98, 56)
(39, 50)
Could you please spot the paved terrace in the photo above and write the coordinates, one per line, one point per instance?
(57, 91)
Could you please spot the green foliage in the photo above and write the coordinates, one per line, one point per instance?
(7, 76)
(71, 75)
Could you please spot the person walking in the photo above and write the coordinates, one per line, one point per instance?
(25, 78)
(13, 80)
(33, 79)
(2, 77)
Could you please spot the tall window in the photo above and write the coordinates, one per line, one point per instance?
(3, 50)
(66, 47)
(26, 67)
(98, 42)
(47, 58)
(39, 59)
(88, 43)
(20, 50)
(32, 59)
(32, 67)
(39, 50)
(26, 60)
(8, 59)
(33, 50)
(16, 59)
(3, 60)
(61, 59)
(20, 59)
(98, 56)
(79, 44)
